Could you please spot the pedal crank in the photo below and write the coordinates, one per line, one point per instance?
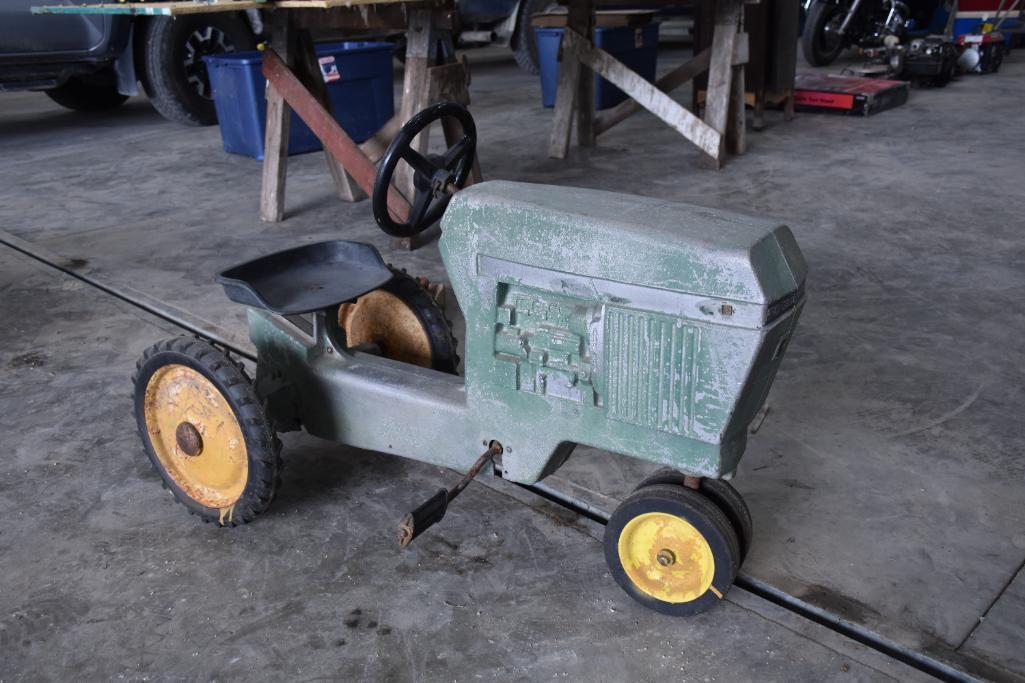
(432, 511)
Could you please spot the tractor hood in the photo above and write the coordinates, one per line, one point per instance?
(625, 239)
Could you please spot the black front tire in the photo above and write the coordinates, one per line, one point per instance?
(175, 75)
(88, 93)
(821, 49)
(720, 492)
(708, 527)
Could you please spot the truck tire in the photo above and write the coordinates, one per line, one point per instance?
(96, 93)
(524, 45)
(821, 49)
(176, 78)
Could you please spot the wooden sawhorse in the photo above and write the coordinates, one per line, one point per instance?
(723, 126)
(294, 82)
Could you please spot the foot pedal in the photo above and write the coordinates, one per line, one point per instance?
(431, 512)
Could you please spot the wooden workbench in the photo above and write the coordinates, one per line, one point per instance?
(294, 82)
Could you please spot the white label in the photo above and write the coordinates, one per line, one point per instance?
(329, 69)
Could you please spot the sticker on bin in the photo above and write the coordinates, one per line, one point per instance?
(329, 69)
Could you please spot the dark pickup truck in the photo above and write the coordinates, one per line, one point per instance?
(95, 62)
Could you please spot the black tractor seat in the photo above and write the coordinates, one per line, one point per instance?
(307, 278)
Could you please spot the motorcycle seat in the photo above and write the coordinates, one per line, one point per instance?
(306, 278)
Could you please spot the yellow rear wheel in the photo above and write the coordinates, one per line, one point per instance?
(205, 431)
(195, 435)
(672, 550)
(403, 320)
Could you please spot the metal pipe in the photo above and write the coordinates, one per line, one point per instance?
(850, 17)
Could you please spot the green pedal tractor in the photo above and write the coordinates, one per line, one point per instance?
(644, 327)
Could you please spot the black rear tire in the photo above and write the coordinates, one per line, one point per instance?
(524, 44)
(175, 75)
(819, 48)
(435, 325)
(88, 93)
(259, 441)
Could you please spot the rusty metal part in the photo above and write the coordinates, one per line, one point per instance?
(380, 318)
(666, 557)
(437, 290)
(327, 130)
(692, 482)
(431, 512)
(190, 441)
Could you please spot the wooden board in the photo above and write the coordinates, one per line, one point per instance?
(153, 8)
(204, 6)
(328, 4)
(603, 19)
(646, 94)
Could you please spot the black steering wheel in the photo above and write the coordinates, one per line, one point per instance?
(435, 176)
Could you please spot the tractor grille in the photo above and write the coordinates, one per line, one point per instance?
(649, 370)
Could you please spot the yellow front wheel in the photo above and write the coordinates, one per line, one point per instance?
(205, 432)
(672, 550)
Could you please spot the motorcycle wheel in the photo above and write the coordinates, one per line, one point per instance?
(820, 47)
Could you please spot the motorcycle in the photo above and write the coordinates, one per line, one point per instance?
(831, 26)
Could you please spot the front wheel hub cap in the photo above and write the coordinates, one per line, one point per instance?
(666, 557)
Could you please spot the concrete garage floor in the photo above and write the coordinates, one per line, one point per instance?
(886, 482)
(105, 576)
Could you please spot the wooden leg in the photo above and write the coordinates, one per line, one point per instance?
(581, 19)
(575, 89)
(432, 74)
(758, 120)
(450, 83)
(421, 46)
(788, 106)
(720, 71)
(308, 71)
(375, 146)
(736, 134)
(275, 145)
(415, 86)
(453, 133)
(414, 98)
(566, 95)
(585, 108)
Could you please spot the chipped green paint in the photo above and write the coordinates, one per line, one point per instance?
(640, 326)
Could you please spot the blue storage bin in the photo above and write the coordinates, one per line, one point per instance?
(359, 76)
(635, 46)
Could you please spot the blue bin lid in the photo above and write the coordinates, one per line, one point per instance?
(322, 49)
(557, 30)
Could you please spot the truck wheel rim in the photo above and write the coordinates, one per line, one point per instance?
(196, 436)
(382, 318)
(208, 40)
(666, 557)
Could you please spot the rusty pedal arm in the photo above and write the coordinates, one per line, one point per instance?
(432, 511)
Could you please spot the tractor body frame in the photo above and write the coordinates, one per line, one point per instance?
(648, 328)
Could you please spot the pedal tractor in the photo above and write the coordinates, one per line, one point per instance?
(640, 326)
